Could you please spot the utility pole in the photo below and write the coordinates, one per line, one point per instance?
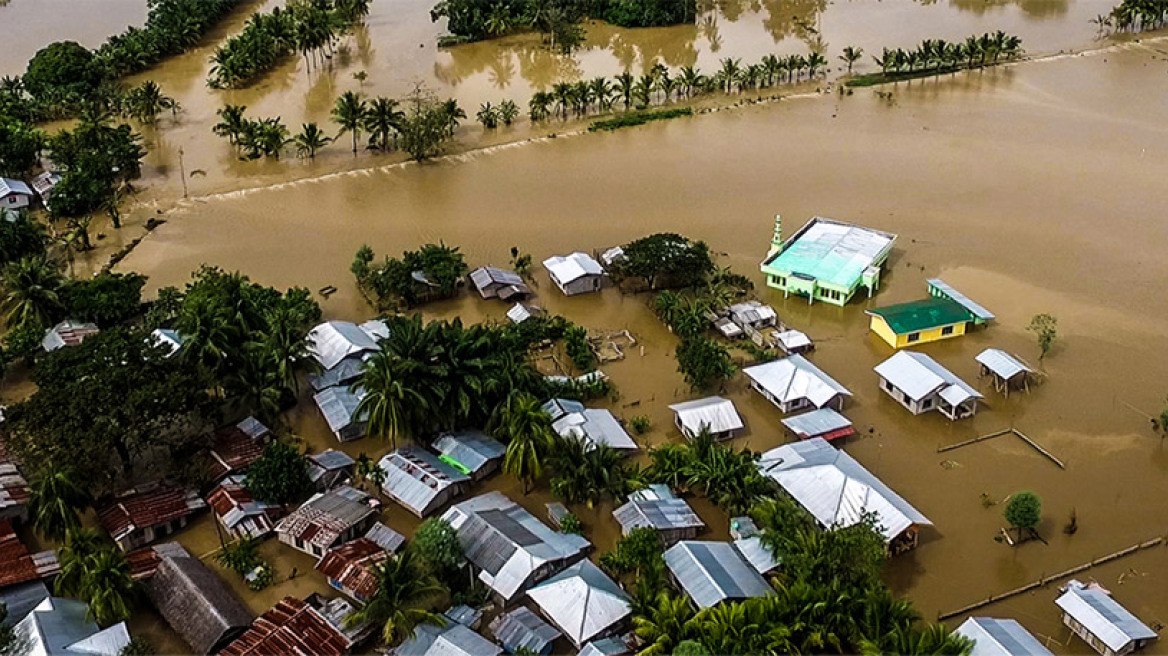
(182, 170)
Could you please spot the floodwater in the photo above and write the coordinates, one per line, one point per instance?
(32, 24)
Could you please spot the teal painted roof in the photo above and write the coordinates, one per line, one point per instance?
(922, 315)
(832, 252)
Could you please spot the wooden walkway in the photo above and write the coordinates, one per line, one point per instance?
(1008, 431)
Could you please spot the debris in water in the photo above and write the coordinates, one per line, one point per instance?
(986, 500)
(950, 464)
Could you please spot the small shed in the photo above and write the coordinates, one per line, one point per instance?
(197, 604)
(67, 333)
(1101, 621)
(794, 383)
(522, 629)
(713, 413)
(727, 328)
(582, 602)
(471, 452)
(657, 508)
(43, 184)
(1000, 637)
(713, 572)
(339, 407)
(330, 468)
(753, 314)
(1006, 371)
(14, 194)
(520, 313)
(576, 273)
(824, 422)
(385, 537)
(792, 341)
(420, 481)
(920, 384)
(503, 284)
(595, 426)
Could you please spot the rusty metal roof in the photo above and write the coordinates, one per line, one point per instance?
(147, 506)
(290, 628)
(351, 566)
(17, 565)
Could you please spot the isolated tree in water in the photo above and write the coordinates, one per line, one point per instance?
(1045, 327)
(1024, 511)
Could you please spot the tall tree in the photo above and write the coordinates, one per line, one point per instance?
(400, 602)
(32, 292)
(349, 113)
(108, 588)
(310, 140)
(58, 495)
(522, 424)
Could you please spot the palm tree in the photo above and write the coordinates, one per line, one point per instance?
(383, 118)
(453, 113)
(508, 111)
(57, 497)
(231, 122)
(32, 287)
(540, 105)
(690, 79)
(404, 588)
(310, 140)
(284, 343)
(349, 113)
(146, 102)
(389, 399)
(602, 92)
(729, 72)
(488, 115)
(74, 555)
(108, 587)
(624, 85)
(850, 56)
(522, 424)
(643, 90)
(667, 624)
(814, 61)
(254, 384)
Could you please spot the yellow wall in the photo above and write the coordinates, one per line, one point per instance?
(881, 328)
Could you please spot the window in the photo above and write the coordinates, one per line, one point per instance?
(888, 386)
(912, 337)
(947, 330)
(299, 543)
(927, 404)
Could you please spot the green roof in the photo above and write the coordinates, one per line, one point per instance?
(922, 315)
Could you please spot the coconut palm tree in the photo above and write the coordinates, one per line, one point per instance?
(452, 112)
(32, 288)
(310, 140)
(57, 498)
(390, 400)
(624, 87)
(80, 546)
(814, 62)
(602, 93)
(729, 72)
(144, 103)
(349, 113)
(108, 588)
(540, 105)
(231, 122)
(667, 624)
(690, 80)
(283, 341)
(254, 384)
(850, 56)
(488, 115)
(383, 118)
(526, 429)
(643, 90)
(508, 111)
(399, 603)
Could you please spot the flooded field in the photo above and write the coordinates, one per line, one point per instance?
(1034, 188)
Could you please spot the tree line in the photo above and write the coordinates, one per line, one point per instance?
(1134, 16)
(941, 56)
(309, 27)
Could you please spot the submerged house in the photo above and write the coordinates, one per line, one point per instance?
(522, 631)
(595, 426)
(1006, 371)
(656, 507)
(471, 452)
(142, 515)
(493, 282)
(575, 274)
(509, 546)
(340, 348)
(713, 572)
(14, 194)
(453, 639)
(838, 491)
(349, 567)
(713, 413)
(61, 627)
(748, 541)
(753, 314)
(827, 260)
(43, 184)
(583, 603)
(420, 481)
(167, 338)
(824, 423)
(794, 383)
(235, 447)
(1000, 637)
(327, 520)
(945, 313)
(1101, 621)
(921, 384)
(339, 407)
(67, 333)
(330, 468)
(240, 514)
(197, 604)
(290, 627)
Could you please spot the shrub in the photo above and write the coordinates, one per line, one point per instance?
(703, 362)
(640, 424)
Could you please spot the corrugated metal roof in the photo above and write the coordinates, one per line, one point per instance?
(665, 514)
(926, 314)
(148, 505)
(1001, 363)
(613, 646)
(753, 313)
(386, 537)
(831, 251)
(168, 338)
(338, 405)
(291, 627)
(836, 489)
(523, 629)
(55, 624)
(557, 408)
(344, 373)
(582, 601)
(595, 426)
(1000, 637)
(453, 639)
(13, 186)
(918, 375)
(464, 615)
(713, 412)
(968, 303)
(1103, 616)
(486, 277)
(333, 341)
(239, 511)
(17, 564)
(757, 554)
(324, 517)
(332, 460)
(418, 480)
(520, 313)
(350, 566)
(572, 267)
(713, 572)
(507, 543)
(792, 339)
(44, 182)
(795, 377)
(817, 422)
(474, 450)
(67, 333)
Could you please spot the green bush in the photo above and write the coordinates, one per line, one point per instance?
(638, 118)
(640, 424)
(576, 345)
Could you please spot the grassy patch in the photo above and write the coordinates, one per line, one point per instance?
(638, 118)
(876, 79)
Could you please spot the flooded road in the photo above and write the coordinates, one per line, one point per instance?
(1034, 188)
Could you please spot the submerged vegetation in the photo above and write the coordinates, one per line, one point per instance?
(638, 118)
(1135, 16)
(937, 56)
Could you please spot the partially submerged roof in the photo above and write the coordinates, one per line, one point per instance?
(713, 572)
(824, 422)
(508, 544)
(613, 646)
(658, 509)
(324, 517)
(713, 412)
(1000, 637)
(582, 601)
(196, 603)
(830, 251)
(488, 276)
(595, 426)
(454, 639)
(940, 287)
(61, 627)
(333, 341)
(523, 629)
(1103, 616)
(149, 505)
(753, 312)
(918, 376)
(835, 488)
(67, 333)
(792, 339)
(572, 267)
(520, 312)
(795, 377)
(556, 408)
(925, 314)
(339, 406)
(291, 628)
(1001, 363)
(469, 451)
(235, 447)
(415, 478)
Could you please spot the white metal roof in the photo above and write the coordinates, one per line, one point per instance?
(713, 572)
(333, 341)
(817, 422)
(595, 426)
(761, 558)
(793, 339)
(835, 488)
(582, 601)
(453, 639)
(918, 376)
(961, 299)
(713, 412)
(1103, 616)
(13, 186)
(1000, 637)
(572, 267)
(417, 479)
(520, 313)
(1001, 363)
(793, 378)
(338, 405)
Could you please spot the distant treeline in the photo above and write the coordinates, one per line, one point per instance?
(936, 56)
(472, 20)
(172, 27)
(1136, 16)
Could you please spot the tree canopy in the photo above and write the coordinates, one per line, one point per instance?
(63, 71)
(665, 259)
(1024, 511)
(432, 271)
(280, 476)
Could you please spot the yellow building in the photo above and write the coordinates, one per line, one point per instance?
(919, 322)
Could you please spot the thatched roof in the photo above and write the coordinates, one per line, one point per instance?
(197, 604)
